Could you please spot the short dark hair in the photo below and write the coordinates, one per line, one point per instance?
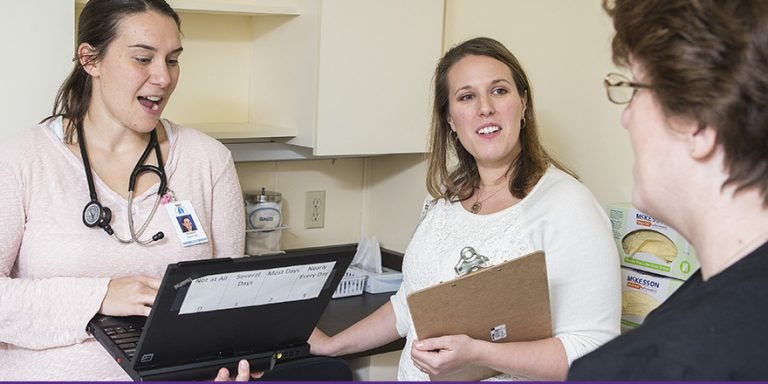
(97, 26)
(707, 61)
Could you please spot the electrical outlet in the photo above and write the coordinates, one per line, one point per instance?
(315, 209)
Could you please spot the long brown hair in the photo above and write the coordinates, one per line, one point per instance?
(460, 182)
(97, 26)
(707, 61)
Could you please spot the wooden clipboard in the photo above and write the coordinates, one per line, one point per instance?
(503, 303)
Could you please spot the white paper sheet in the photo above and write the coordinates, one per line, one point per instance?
(260, 287)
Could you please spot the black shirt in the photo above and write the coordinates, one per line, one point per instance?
(713, 330)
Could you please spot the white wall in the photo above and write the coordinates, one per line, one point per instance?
(37, 52)
(565, 48)
(341, 179)
(378, 196)
(395, 188)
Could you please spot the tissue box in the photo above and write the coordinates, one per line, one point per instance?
(647, 244)
(388, 280)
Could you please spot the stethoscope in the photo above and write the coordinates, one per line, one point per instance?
(96, 215)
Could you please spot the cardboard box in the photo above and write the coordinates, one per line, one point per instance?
(647, 244)
(641, 293)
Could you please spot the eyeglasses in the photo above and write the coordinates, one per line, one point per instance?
(620, 89)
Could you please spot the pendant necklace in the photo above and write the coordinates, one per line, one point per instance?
(478, 205)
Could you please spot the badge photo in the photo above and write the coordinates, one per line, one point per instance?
(185, 220)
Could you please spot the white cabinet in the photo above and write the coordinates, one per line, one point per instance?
(343, 77)
(214, 93)
(376, 60)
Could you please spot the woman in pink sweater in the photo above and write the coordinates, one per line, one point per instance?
(74, 240)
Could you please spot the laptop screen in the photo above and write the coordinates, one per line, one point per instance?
(212, 309)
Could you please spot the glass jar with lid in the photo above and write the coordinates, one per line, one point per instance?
(263, 218)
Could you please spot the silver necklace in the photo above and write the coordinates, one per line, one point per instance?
(478, 205)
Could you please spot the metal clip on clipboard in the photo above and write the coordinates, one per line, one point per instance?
(470, 261)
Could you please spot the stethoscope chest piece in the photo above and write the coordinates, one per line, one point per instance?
(96, 215)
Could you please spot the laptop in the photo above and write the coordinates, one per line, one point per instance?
(213, 313)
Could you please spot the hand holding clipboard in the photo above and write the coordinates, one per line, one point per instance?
(503, 303)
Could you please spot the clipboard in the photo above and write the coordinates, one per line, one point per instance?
(504, 303)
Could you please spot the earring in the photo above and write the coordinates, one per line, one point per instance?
(455, 138)
(522, 123)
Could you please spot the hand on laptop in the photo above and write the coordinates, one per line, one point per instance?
(130, 296)
(243, 373)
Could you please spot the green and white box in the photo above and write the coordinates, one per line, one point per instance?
(647, 244)
(641, 293)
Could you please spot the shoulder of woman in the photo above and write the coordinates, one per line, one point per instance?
(560, 194)
(557, 184)
(25, 142)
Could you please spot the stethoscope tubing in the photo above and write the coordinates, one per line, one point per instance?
(138, 169)
(136, 234)
(141, 167)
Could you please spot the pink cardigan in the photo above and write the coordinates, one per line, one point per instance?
(54, 270)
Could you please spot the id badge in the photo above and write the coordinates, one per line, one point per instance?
(185, 221)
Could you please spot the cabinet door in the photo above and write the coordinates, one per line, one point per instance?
(38, 42)
(376, 63)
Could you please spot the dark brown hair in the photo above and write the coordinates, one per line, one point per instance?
(706, 60)
(97, 26)
(460, 182)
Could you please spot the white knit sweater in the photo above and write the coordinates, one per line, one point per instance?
(561, 217)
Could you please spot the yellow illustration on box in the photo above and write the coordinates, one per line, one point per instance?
(641, 293)
(647, 244)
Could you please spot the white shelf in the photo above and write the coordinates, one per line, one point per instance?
(280, 228)
(230, 133)
(237, 7)
(249, 152)
(232, 7)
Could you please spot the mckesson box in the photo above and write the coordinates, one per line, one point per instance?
(641, 293)
(647, 244)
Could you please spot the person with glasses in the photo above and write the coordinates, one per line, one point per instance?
(620, 89)
(496, 195)
(697, 116)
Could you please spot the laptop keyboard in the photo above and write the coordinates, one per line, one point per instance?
(126, 337)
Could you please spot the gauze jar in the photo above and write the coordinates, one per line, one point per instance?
(263, 218)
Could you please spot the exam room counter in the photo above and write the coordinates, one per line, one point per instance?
(343, 312)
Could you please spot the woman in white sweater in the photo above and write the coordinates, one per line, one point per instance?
(63, 256)
(505, 197)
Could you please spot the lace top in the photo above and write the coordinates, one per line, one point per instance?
(561, 217)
